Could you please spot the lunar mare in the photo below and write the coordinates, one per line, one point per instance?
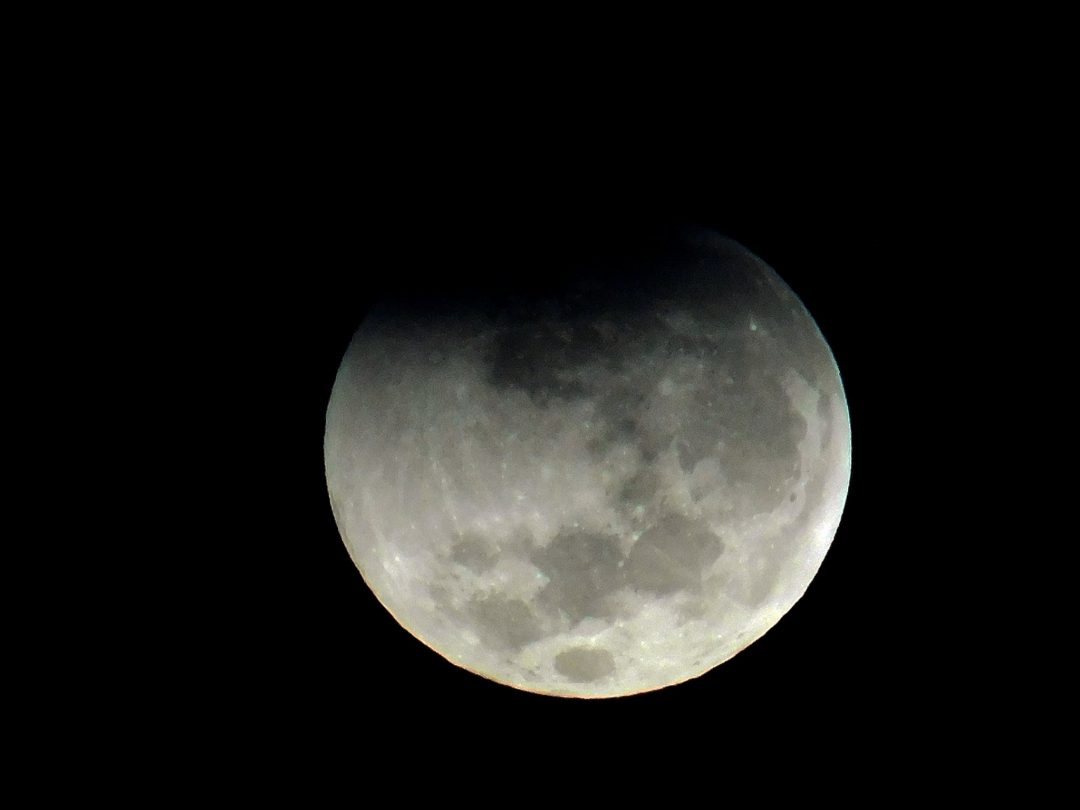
(597, 489)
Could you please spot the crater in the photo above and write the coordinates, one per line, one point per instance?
(584, 664)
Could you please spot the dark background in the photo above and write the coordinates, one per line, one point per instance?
(304, 649)
(248, 209)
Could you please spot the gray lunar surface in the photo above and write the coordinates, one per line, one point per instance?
(598, 489)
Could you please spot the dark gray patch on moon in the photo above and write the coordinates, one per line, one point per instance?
(754, 437)
(474, 553)
(541, 359)
(618, 410)
(640, 487)
(583, 569)
(673, 555)
(824, 410)
(584, 664)
(505, 623)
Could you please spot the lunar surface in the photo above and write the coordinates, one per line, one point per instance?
(605, 485)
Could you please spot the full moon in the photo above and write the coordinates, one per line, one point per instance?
(602, 483)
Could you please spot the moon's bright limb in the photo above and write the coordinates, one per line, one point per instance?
(599, 490)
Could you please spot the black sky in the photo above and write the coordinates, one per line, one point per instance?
(310, 648)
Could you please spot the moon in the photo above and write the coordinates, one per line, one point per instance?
(603, 483)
